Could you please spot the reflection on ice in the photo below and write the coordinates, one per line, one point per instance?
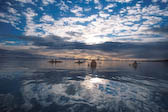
(68, 87)
(91, 82)
(96, 92)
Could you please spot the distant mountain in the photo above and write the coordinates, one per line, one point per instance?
(17, 54)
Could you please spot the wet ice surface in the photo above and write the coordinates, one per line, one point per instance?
(38, 86)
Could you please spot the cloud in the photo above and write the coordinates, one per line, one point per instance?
(63, 6)
(161, 30)
(46, 2)
(88, 1)
(109, 7)
(129, 25)
(89, 25)
(121, 1)
(154, 0)
(47, 19)
(74, 33)
(96, 1)
(4, 21)
(26, 1)
(105, 28)
(12, 10)
(87, 9)
(50, 45)
(31, 27)
(13, 19)
(9, 3)
(77, 11)
(98, 4)
(104, 15)
(163, 1)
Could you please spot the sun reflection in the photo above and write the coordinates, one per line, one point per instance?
(96, 80)
(93, 82)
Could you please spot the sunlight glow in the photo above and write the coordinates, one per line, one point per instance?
(96, 80)
(91, 83)
(96, 40)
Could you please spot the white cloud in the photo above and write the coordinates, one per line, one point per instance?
(125, 26)
(77, 11)
(26, 1)
(154, 0)
(87, 9)
(41, 8)
(9, 3)
(30, 28)
(121, 1)
(87, 1)
(4, 21)
(164, 1)
(96, 1)
(46, 2)
(109, 6)
(30, 14)
(151, 20)
(128, 23)
(2, 15)
(99, 6)
(104, 15)
(63, 6)
(69, 1)
(47, 18)
(12, 10)
(98, 28)
(14, 20)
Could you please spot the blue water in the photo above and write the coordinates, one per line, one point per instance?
(29, 85)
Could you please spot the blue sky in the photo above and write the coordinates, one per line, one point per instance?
(87, 22)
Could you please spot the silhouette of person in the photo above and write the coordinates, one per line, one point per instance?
(93, 65)
(135, 65)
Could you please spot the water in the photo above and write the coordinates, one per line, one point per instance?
(29, 85)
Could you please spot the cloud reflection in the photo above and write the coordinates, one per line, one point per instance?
(71, 89)
(93, 91)
(92, 82)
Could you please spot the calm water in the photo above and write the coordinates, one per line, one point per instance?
(113, 86)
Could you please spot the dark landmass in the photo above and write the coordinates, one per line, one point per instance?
(146, 60)
(25, 55)
(18, 54)
(165, 60)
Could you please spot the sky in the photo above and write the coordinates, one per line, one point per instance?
(115, 29)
